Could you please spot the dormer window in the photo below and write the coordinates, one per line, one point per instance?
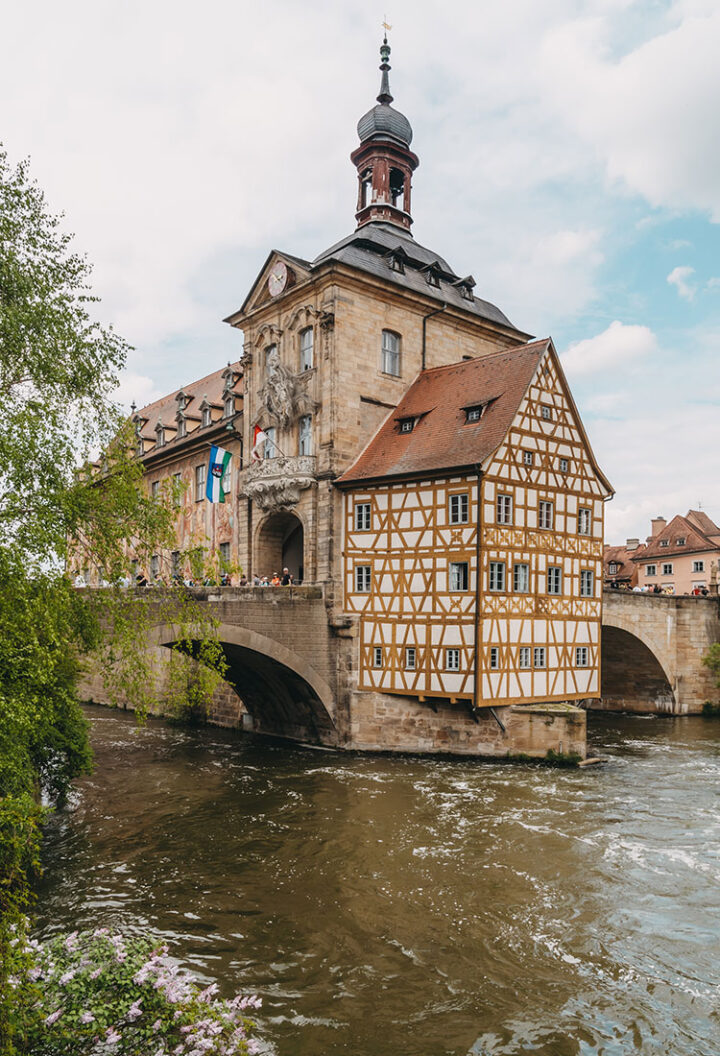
(465, 287)
(181, 427)
(396, 259)
(664, 542)
(206, 416)
(181, 400)
(613, 567)
(433, 277)
(680, 541)
(407, 425)
(229, 406)
(474, 414)
(159, 435)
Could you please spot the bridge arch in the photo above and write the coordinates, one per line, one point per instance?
(635, 670)
(284, 694)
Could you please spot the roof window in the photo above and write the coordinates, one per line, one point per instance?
(407, 425)
(474, 414)
(681, 541)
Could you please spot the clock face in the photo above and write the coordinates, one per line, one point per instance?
(277, 278)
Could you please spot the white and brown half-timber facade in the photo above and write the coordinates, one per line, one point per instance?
(503, 427)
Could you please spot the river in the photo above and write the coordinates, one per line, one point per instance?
(414, 906)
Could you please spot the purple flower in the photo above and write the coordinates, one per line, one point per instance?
(96, 973)
(112, 1036)
(71, 941)
(53, 1018)
(87, 1017)
(67, 977)
(134, 1012)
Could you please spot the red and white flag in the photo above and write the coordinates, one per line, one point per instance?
(259, 440)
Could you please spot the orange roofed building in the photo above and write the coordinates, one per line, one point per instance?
(680, 556)
(473, 537)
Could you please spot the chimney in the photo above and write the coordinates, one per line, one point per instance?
(632, 544)
(656, 526)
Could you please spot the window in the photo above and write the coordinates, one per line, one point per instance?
(407, 425)
(497, 575)
(539, 656)
(377, 656)
(362, 517)
(614, 567)
(584, 521)
(650, 570)
(390, 361)
(433, 277)
(452, 659)
(494, 658)
(563, 465)
(504, 509)
(306, 348)
(224, 551)
(528, 458)
(175, 563)
(546, 413)
(155, 566)
(545, 517)
(200, 482)
(155, 489)
(459, 507)
(667, 570)
(206, 416)
(524, 657)
(410, 658)
(664, 542)
(362, 579)
(397, 186)
(160, 435)
(554, 580)
(270, 355)
(581, 656)
(305, 435)
(458, 575)
(681, 541)
(181, 428)
(586, 583)
(269, 448)
(473, 414)
(366, 188)
(521, 578)
(229, 410)
(177, 489)
(698, 566)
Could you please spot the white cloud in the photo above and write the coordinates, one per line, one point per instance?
(617, 346)
(137, 389)
(678, 278)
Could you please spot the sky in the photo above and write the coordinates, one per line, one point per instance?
(569, 159)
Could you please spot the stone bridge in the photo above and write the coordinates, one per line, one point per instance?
(652, 649)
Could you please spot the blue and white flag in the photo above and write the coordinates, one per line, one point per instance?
(218, 467)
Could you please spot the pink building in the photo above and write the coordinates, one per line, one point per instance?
(680, 556)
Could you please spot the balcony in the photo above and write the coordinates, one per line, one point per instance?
(276, 483)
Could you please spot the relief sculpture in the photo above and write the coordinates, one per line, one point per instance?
(282, 398)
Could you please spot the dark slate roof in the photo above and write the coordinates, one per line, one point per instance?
(370, 249)
(442, 438)
(383, 120)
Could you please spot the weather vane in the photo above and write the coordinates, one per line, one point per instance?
(386, 25)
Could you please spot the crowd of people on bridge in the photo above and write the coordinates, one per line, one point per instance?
(697, 592)
(284, 579)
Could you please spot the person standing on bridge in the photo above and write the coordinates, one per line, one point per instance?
(287, 578)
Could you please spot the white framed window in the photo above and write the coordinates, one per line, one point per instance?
(667, 569)
(458, 575)
(494, 658)
(539, 656)
(410, 658)
(377, 656)
(155, 566)
(524, 657)
(546, 515)
(407, 425)
(181, 428)
(664, 542)
(177, 489)
(521, 578)
(546, 413)
(362, 516)
(459, 507)
(363, 579)
(224, 551)
(582, 656)
(587, 583)
(504, 509)
(305, 435)
(528, 458)
(229, 410)
(563, 465)
(614, 567)
(584, 521)
(306, 348)
(155, 489)
(390, 353)
(554, 579)
(452, 659)
(650, 570)
(681, 541)
(698, 566)
(497, 575)
(269, 447)
(200, 482)
(206, 416)
(160, 436)
(473, 414)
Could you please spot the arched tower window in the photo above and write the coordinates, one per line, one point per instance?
(365, 188)
(397, 188)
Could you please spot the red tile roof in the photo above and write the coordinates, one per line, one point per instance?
(165, 409)
(441, 437)
(623, 558)
(680, 527)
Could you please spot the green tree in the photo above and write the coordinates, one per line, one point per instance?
(58, 369)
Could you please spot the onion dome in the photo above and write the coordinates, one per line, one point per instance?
(384, 121)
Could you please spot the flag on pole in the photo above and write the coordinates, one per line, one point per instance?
(259, 438)
(219, 462)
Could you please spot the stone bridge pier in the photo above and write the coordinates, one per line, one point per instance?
(652, 649)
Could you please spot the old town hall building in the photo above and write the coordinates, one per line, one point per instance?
(422, 459)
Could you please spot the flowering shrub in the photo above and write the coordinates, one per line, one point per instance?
(100, 994)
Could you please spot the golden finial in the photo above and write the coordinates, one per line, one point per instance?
(386, 25)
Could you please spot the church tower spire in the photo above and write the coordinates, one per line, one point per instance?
(384, 160)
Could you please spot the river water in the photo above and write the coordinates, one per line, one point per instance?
(410, 906)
